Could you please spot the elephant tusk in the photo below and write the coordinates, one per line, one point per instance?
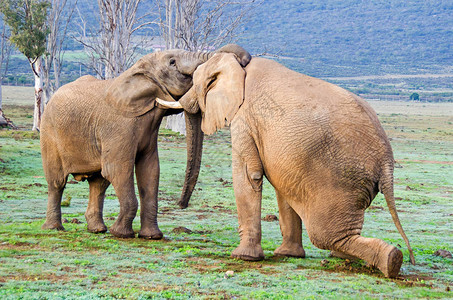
(169, 104)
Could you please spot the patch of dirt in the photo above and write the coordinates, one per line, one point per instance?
(35, 184)
(359, 267)
(76, 221)
(270, 218)
(443, 253)
(238, 267)
(351, 267)
(40, 277)
(413, 280)
(181, 229)
(7, 189)
(202, 267)
(18, 245)
(225, 183)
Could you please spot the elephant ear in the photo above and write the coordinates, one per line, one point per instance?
(219, 84)
(134, 92)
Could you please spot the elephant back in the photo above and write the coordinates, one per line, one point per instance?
(75, 101)
(309, 122)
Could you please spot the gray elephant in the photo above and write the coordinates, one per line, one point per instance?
(321, 147)
(104, 130)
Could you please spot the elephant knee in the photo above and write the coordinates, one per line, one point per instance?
(325, 237)
(255, 177)
(320, 240)
(56, 184)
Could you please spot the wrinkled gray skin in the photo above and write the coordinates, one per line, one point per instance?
(104, 130)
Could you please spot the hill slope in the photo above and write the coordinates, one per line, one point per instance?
(331, 38)
(355, 37)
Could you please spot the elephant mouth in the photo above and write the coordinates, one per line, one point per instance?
(186, 80)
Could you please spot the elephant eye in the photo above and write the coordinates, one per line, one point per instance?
(211, 82)
(172, 62)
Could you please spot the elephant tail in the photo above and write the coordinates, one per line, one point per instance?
(387, 190)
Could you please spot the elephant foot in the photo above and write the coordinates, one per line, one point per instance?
(95, 225)
(52, 225)
(98, 228)
(249, 253)
(342, 255)
(150, 234)
(122, 232)
(290, 250)
(393, 263)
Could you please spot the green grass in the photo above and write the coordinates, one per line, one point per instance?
(76, 264)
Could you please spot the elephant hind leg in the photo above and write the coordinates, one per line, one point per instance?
(56, 182)
(291, 229)
(93, 214)
(337, 227)
(385, 257)
(53, 215)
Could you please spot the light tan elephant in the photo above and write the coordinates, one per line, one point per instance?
(105, 130)
(320, 146)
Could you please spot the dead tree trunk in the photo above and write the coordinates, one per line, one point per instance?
(5, 53)
(39, 103)
(198, 25)
(58, 20)
(110, 49)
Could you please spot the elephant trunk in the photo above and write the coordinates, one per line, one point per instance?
(194, 139)
(194, 134)
(190, 102)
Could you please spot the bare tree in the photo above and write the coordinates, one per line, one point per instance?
(6, 48)
(198, 25)
(27, 21)
(110, 48)
(58, 20)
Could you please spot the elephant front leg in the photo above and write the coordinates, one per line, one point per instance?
(123, 183)
(93, 214)
(147, 171)
(291, 228)
(247, 182)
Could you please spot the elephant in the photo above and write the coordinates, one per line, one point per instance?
(321, 147)
(103, 130)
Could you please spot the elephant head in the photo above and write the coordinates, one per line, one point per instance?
(167, 75)
(216, 95)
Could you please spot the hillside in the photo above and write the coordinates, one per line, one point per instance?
(354, 37)
(330, 38)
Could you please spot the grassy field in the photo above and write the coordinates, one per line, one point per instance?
(194, 257)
